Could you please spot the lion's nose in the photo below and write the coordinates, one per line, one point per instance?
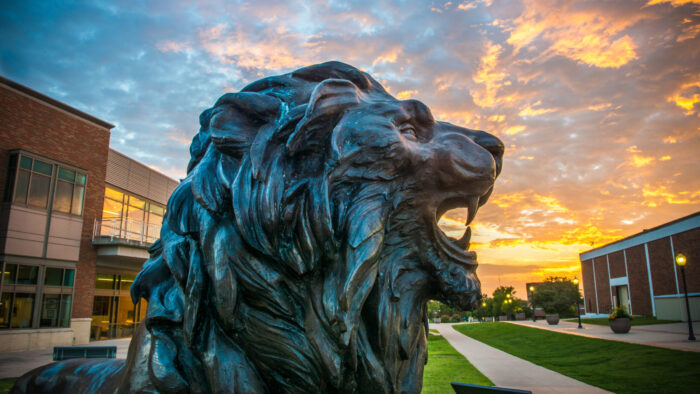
(493, 145)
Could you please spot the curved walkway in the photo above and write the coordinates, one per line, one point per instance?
(509, 371)
(671, 336)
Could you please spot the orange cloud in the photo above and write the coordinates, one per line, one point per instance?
(529, 111)
(687, 96)
(406, 94)
(490, 76)
(675, 3)
(588, 37)
(654, 196)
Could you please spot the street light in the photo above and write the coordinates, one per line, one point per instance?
(578, 310)
(681, 260)
(532, 294)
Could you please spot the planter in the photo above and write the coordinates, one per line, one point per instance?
(552, 319)
(620, 325)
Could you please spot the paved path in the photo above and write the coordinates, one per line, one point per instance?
(16, 364)
(506, 370)
(672, 336)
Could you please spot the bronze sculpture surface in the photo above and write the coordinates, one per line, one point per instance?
(299, 252)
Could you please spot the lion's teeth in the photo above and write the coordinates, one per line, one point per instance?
(472, 207)
(464, 241)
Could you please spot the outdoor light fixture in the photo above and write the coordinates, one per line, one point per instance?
(681, 260)
(578, 310)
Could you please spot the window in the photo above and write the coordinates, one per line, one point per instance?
(70, 191)
(30, 179)
(129, 217)
(114, 314)
(23, 296)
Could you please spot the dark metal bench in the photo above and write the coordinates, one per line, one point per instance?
(466, 388)
(68, 352)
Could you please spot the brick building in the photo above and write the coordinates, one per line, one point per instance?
(639, 272)
(75, 222)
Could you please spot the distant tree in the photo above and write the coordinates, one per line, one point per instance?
(557, 295)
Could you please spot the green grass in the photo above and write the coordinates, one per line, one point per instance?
(6, 385)
(636, 321)
(446, 365)
(616, 366)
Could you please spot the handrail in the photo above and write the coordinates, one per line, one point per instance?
(117, 230)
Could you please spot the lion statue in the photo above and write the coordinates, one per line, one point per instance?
(300, 251)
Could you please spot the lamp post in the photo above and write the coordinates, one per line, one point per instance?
(681, 260)
(483, 318)
(578, 310)
(532, 294)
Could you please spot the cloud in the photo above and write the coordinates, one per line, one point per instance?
(596, 101)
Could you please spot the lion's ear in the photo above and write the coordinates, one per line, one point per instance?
(237, 117)
(329, 100)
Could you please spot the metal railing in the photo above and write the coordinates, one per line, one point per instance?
(125, 231)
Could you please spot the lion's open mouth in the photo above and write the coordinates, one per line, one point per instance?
(457, 249)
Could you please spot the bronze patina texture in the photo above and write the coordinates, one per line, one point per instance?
(299, 252)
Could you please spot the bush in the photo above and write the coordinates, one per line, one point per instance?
(455, 319)
(557, 295)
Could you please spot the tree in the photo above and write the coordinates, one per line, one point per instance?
(557, 295)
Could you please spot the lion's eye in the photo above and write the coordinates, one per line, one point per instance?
(408, 131)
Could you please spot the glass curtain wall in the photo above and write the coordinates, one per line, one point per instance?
(129, 217)
(23, 293)
(114, 315)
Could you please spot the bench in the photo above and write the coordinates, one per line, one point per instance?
(466, 388)
(68, 352)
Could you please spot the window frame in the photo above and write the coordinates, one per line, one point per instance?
(38, 291)
(15, 157)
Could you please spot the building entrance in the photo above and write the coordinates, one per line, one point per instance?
(114, 315)
(623, 298)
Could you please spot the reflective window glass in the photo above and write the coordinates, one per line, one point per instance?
(64, 317)
(126, 282)
(156, 210)
(26, 274)
(50, 305)
(25, 162)
(42, 168)
(21, 187)
(66, 175)
(53, 276)
(111, 209)
(5, 303)
(68, 278)
(10, 273)
(114, 194)
(78, 195)
(80, 179)
(63, 196)
(39, 190)
(22, 309)
(137, 202)
(105, 281)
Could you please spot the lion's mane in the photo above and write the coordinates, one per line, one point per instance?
(274, 272)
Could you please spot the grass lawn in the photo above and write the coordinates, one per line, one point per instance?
(636, 321)
(616, 366)
(6, 385)
(446, 365)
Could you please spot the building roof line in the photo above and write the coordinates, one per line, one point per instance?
(598, 251)
(55, 103)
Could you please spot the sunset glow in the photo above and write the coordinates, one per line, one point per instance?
(597, 102)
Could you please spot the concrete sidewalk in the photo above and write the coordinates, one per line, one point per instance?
(506, 370)
(16, 364)
(671, 336)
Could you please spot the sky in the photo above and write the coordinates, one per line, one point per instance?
(597, 102)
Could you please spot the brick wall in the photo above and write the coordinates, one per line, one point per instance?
(602, 285)
(588, 286)
(617, 264)
(661, 263)
(688, 243)
(638, 280)
(47, 131)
